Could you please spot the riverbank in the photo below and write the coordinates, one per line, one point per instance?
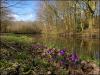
(81, 35)
(23, 55)
(94, 34)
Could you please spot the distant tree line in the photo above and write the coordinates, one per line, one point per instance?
(24, 27)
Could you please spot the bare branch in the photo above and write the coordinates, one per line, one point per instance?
(9, 5)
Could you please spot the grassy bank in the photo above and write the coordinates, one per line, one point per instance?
(21, 55)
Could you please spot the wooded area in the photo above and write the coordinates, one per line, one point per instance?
(70, 16)
(57, 17)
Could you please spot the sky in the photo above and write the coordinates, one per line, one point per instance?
(24, 10)
(98, 8)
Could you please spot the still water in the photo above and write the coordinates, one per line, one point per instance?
(87, 48)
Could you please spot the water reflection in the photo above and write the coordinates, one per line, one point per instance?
(87, 47)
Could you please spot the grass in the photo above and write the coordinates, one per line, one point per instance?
(92, 59)
(17, 39)
(20, 42)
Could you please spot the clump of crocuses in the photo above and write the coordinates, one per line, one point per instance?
(53, 55)
(61, 57)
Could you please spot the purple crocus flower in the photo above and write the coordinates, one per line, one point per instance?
(62, 52)
(74, 58)
(49, 51)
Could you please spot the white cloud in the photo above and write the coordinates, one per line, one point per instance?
(26, 17)
(17, 17)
